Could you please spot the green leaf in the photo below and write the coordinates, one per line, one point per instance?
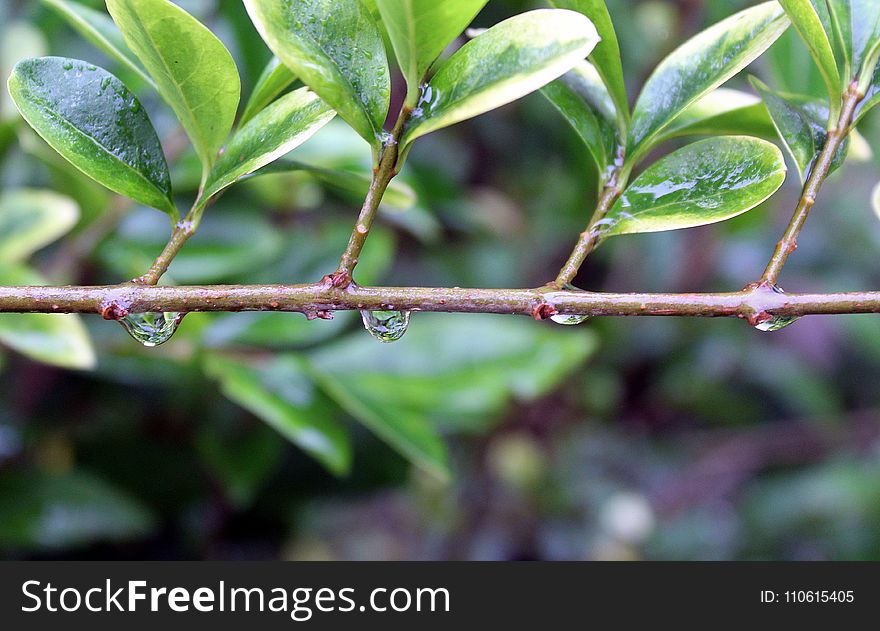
(806, 19)
(99, 29)
(800, 123)
(723, 112)
(280, 392)
(336, 49)
(60, 340)
(448, 373)
(606, 54)
(275, 79)
(45, 511)
(865, 15)
(89, 117)
(699, 66)
(32, 219)
(274, 132)
(511, 59)
(872, 97)
(582, 99)
(702, 183)
(420, 30)
(840, 16)
(356, 183)
(193, 71)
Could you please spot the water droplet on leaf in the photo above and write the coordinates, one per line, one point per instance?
(152, 329)
(386, 326)
(569, 320)
(775, 323)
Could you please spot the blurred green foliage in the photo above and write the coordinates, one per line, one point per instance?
(622, 438)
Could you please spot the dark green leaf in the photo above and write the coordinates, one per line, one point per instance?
(193, 71)
(93, 120)
(606, 55)
(69, 510)
(31, 220)
(274, 80)
(99, 29)
(421, 29)
(280, 392)
(60, 340)
(702, 183)
(699, 66)
(511, 59)
(335, 48)
(274, 132)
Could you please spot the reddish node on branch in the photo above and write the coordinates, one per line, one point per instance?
(544, 312)
(114, 311)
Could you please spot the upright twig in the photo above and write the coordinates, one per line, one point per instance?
(818, 174)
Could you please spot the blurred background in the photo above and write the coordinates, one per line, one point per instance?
(642, 438)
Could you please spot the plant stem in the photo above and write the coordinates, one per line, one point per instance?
(822, 166)
(587, 241)
(181, 234)
(388, 167)
(754, 304)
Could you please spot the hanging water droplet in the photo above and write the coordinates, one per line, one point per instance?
(152, 329)
(386, 326)
(775, 323)
(569, 320)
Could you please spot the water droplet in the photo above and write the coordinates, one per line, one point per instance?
(152, 329)
(386, 326)
(569, 320)
(775, 323)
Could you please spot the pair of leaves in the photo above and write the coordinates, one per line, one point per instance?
(337, 50)
(403, 395)
(683, 79)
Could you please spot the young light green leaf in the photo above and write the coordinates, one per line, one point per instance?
(59, 340)
(511, 59)
(336, 49)
(274, 132)
(99, 29)
(281, 393)
(702, 183)
(420, 30)
(606, 54)
(723, 112)
(806, 19)
(89, 117)
(31, 220)
(275, 79)
(582, 99)
(193, 71)
(699, 66)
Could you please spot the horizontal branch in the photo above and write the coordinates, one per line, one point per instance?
(755, 303)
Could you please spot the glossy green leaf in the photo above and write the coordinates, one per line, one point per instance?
(193, 71)
(508, 61)
(59, 340)
(280, 392)
(32, 219)
(800, 123)
(89, 117)
(702, 183)
(64, 511)
(806, 19)
(274, 132)
(421, 29)
(699, 66)
(397, 195)
(336, 49)
(580, 96)
(477, 366)
(99, 29)
(274, 80)
(723, 112)
(606, 54)
(840, 16)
